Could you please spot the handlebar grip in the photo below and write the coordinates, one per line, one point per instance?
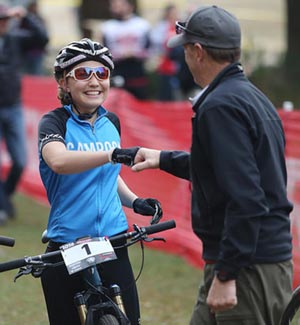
(15, 264)
(160, 227)
(7, 241)
(148, 230)
(11, 265)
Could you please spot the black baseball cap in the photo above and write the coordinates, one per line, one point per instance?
(211, 26)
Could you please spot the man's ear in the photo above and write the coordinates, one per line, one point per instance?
(200, 51)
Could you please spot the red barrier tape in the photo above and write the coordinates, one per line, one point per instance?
(161, 126)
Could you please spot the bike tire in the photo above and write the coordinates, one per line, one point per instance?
(291, 313)
(108, 319)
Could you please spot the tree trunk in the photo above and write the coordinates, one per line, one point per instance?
(293, 43)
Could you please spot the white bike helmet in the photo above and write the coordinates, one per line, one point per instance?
(80, 51)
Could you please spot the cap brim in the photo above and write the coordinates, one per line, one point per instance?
(177, 40)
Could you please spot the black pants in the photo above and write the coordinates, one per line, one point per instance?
(59, 289)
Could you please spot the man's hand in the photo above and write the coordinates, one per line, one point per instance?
(146, 159)
(222, 295)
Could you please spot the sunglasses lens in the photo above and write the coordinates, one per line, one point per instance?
(102, 73)
(82, 73)
(85, 73)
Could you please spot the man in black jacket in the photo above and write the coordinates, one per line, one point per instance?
(240, 209)
(13, 41)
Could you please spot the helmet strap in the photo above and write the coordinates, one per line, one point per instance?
(85, 116)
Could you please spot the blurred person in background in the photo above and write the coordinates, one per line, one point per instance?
(33, 57)
(127, 35)
(167, 65)
(12, 126)
(240, 208)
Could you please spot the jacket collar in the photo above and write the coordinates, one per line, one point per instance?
(231, 69)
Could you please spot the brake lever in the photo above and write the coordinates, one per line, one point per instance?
(35, 268)
(149, 240)
(23, 271)
(141, 234)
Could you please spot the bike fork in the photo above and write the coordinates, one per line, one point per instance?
(81, 307)
(91, 275)
(115, 293)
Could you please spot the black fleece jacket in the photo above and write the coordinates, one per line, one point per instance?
(12, 45)
(240, 208)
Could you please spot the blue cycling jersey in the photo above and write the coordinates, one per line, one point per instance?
(87, 203)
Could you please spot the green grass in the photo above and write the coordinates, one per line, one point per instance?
(167, 286)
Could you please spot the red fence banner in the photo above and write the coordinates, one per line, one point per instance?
(291, 124)
(158, 125)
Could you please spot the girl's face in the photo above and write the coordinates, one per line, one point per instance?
(87, 94)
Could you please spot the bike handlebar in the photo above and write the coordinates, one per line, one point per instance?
(7, 241)
(148, 230)
(20, 262)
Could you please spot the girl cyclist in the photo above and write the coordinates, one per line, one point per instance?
(85, 191)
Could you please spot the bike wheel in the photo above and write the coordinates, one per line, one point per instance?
(108, 320)
(291, 315)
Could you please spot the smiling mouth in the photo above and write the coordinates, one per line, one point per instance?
(93, 93)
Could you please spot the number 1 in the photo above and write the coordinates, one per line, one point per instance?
(87, 249)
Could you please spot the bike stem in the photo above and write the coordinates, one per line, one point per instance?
(91, 275)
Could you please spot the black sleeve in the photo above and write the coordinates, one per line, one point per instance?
(52, 127)
(176, 163)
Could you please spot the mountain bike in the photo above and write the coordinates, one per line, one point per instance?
(96, 304)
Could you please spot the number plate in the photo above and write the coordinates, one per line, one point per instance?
(87, 252)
